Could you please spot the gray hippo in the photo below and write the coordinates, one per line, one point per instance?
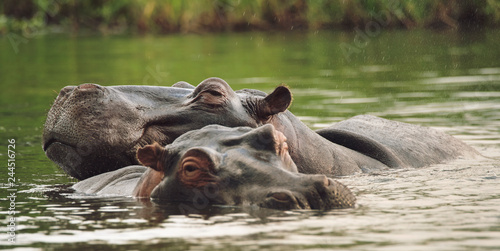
(240, 166)
(92, 129)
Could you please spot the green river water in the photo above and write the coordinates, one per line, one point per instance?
(446, 80)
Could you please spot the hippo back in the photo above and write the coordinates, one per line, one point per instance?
(396, 144)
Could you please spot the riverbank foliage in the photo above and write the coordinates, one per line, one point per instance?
(199, 16)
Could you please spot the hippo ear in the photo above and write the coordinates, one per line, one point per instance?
(278, 101)
(150, 156)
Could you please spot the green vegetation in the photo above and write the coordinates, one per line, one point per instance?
(167, 16)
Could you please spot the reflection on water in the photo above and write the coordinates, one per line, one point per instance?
(423, 78)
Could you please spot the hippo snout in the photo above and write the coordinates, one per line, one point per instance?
(80, 133)
(314, 192)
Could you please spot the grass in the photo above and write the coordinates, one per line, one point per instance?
(198, 16)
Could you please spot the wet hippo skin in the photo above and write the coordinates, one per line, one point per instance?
(92, 129)
(220, 165)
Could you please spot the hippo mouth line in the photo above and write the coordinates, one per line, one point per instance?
(75, 160)
(52, 141)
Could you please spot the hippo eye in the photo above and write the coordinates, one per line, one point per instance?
(196, 169)
(190, 168)
(214, 93)
(211, 97)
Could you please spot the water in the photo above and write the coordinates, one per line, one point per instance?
(450, 81)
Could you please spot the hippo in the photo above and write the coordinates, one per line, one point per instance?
(93, 129)
(237, 166)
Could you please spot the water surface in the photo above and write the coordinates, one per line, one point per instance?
(450, 81)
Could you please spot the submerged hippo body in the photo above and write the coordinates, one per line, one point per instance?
(92, 129)
(222, 165)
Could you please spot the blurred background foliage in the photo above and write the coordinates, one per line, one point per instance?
(198, 16)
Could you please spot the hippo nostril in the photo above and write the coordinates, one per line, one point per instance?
(92, 89)
(88, 86)
(66, 90)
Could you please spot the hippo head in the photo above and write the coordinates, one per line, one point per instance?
(93, 129)
(235, 166)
